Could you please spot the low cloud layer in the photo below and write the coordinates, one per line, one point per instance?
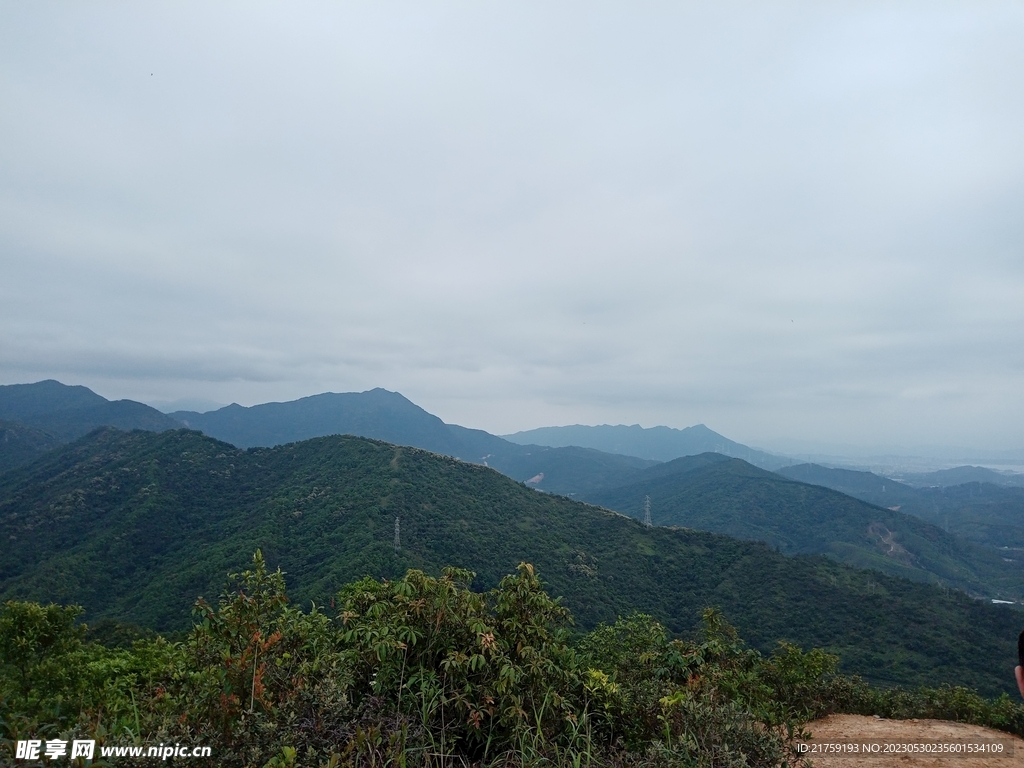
(796, 222)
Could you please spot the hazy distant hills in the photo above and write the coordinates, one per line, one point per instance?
(729, 496)
(42, 415)
(50, 413)
(983, 512)
(657, 443)
(962, 475)
(389, 416)
(136, 525)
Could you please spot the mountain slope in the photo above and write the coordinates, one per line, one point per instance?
(55, 413)
(567, 471)
(732, 497)
(385, 415)
(20, 444)
(23, 402)
(136, 525)
(657, 443)
(988, 514)
(866, 486)
(389, 416)
(72, 423)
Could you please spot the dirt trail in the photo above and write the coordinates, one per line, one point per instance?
(859, 729)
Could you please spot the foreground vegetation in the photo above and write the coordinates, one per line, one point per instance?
(425, 671)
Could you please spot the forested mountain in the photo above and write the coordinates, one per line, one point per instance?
(135, 526)
(51, 413)
(48, 413)
(985, 513)
(657, 443)
(729, 496)
(388, 416)
(377, 413)
(20, 444)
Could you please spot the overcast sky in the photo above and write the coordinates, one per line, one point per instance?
(789, 221)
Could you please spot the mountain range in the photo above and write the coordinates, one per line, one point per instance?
(35, 418)
(50, 413)
(136, 525)
(45, 414)
(388, 416)
(656, 443)
(594, 463)
(67, 413)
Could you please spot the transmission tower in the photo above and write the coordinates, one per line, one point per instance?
(647, 511)
(398, 537)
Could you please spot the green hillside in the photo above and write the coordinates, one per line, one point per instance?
(20, 444)
(569, 471)
(47, 413)
(984, 512)
(134, 526)
(732, 497)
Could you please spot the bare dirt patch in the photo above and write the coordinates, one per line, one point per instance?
(859, 729)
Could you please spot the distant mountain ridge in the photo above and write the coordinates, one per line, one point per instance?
(383, 415)
(378, 413)
(24, 402)
(47, 413)
(961, 475)
(656, 443)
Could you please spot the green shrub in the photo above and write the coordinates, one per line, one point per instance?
(423, 671)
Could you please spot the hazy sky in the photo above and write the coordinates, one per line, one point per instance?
(788, 220)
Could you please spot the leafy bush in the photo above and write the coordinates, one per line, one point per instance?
(423, 671)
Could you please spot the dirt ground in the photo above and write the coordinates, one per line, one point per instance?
(858, 729)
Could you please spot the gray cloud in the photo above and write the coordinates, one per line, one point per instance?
(797, 221)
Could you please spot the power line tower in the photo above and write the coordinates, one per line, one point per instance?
(647, 512)
(398, 537)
